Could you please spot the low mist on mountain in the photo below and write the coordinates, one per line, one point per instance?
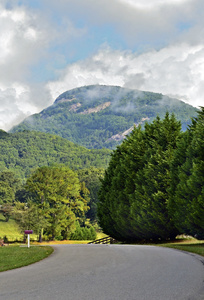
(99, 116)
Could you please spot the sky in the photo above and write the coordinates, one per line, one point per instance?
(50, 46)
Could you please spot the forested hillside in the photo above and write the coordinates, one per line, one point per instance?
(101, 116)
(23, 152)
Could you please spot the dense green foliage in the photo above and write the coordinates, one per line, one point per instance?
(133, 197)
(153, 187)
(53, 203)
(187, 203)
(23, 152)
(72, 115)
(56, 194)
(9, 185)
(91, 177)
(83, 233)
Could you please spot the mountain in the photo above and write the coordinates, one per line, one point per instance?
(101, 116)
(23, 152)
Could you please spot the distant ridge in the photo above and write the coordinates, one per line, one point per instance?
(23, 152)
(100, 116)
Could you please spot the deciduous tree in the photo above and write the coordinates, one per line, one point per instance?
(57, 193)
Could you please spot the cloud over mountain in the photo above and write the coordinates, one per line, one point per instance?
(47, 47)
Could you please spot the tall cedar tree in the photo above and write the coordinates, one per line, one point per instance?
(133, 199)
(187, 196)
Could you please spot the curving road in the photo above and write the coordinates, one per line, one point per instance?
(108, 272)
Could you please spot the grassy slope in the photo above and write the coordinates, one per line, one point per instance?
(9, 229)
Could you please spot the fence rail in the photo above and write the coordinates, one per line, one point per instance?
(106, 240)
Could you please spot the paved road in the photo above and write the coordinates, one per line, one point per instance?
(107, 272)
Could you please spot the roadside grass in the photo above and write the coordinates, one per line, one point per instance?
(13, 257)
(193, 246)
(183, 243)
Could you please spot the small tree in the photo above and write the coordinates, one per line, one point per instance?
(28, 216)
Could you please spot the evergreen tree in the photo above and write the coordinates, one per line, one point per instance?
(188, 197)
(151, 198)
(134, 196)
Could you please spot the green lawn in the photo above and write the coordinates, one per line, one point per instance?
(188, 244)
(197, 248)
(13, 257)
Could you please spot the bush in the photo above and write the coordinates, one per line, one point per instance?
(83, 233)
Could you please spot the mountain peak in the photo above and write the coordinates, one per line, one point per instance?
(98, 116)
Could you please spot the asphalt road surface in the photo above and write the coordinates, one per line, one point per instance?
(108, 272)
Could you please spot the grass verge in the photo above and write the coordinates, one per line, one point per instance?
(184, 243)
(13, 257)
(194, 247)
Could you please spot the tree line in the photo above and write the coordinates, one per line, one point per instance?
(53, 202)
(153, 187)
(24, 152)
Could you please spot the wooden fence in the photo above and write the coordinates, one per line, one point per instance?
(106, 240)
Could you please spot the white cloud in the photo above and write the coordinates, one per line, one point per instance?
(144, 4)
(175, 70)
(140, 23)
(19, 101)
(170, 31)
(25, 38)
(22, 42)
(9, 110)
